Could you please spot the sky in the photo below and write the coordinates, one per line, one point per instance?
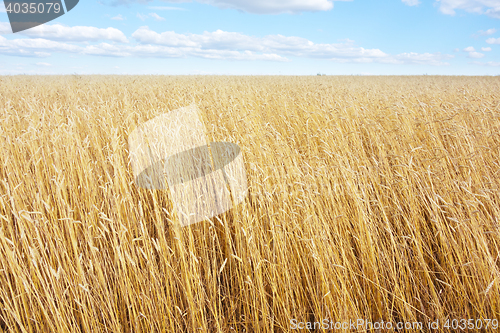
(260, 37)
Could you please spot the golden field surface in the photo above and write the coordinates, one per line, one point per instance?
(373, 198)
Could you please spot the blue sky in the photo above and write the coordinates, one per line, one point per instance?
(269, 37)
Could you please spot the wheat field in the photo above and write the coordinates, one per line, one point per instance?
(373, 198)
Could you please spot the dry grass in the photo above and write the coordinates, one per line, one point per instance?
(370, 197)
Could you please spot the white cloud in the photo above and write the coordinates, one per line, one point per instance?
(486, 49)
(107, 50)
(475, 55)
(44, 64)
(216, 45)
(77, 33)
(273, 6)
(118, 17)
(472, 52)
(411, 2)
(141, 17)
(222, 40)
(258, 6)
(183, 52)
(157, 17)
(219, 40)
(43, 48)
(494, 12)
(493, 40)
(434, 59)
(41, 54)
(487, 7)
(5, 28)
(165, 8)
(489, 63)
(487, 32)
(34, 47)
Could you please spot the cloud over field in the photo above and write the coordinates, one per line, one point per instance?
(345, 51)
(59, 32)
(472, 53)
(488, 63)
(218, 44)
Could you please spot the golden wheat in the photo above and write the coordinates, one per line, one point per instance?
(369, 197)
